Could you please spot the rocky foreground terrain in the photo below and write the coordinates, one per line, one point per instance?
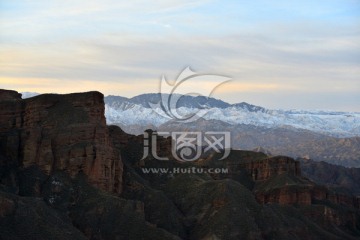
(65, 174)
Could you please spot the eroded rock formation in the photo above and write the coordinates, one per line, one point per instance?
(60, 132)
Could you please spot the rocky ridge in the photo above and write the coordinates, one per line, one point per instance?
(60, 132)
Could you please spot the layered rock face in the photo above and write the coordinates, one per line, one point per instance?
(273, 166)
(279, 180)
(60, 132)
(286, 196)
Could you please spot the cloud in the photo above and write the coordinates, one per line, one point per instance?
(123, 48)
(50, 85)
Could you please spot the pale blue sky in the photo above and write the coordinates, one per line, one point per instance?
(280, 54)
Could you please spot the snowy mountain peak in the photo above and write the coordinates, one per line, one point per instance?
(249, 107)
(136, 110)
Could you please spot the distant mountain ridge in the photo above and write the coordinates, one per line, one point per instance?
(330, 136)
(125, 111)
(199, 101)
(184, 101)
(280, 141)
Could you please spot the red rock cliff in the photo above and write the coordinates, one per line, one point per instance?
(60, 132)
(266, 168)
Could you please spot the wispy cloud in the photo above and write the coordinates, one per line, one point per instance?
(123, 48)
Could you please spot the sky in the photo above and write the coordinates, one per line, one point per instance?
(279, 54)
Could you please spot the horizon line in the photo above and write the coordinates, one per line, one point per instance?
(219, 99)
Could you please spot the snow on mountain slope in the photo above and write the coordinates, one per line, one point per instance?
(25, 95)
(340, 124)
(136, 110)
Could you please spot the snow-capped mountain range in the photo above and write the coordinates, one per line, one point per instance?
(137, 111)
